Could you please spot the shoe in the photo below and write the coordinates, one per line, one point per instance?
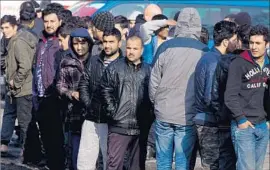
(4, 150)
(151, 153)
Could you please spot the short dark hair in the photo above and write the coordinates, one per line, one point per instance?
(224, 30)
(66, 29)
(53, 8)
(11, 19)
(80, 22)
(260, 30)
(204, 38)
(243, 34)
(159, 17)
(65, 15)
(123, 21)
(114, 32)
(88, 21)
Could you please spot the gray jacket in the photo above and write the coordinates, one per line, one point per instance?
(171, 87)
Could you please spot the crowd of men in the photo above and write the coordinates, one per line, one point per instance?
(105, 92)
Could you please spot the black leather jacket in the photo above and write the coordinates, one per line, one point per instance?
(89, 88)
(124, 89)
(222, 113)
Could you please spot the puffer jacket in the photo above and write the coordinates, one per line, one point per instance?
(222, 113)
(89, 88)
(21, 51)
(124, 91)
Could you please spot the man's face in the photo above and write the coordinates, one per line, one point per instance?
(39, 14)
(97, 34)
(80, 46)
(111, 45)
(134, 50)
(257, 45)
(164, 32)
(51, 23)
(8, 30)
(63, 42)
(232, 44)
(131, 23)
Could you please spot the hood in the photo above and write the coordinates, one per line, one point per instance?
(27, 37)
(140, 19)
(188, 24)
(247, 56)
(82, 33)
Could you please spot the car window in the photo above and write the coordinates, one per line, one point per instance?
(126, 9)
(211, 14)
(77, 6)
(95, 5)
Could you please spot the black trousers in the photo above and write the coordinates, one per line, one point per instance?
(51, 129)
(118, 144)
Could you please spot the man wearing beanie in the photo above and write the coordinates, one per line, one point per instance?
(102, 21)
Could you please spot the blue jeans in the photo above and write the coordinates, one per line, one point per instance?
(75, 142)
(20, 108)
(172, 138)
(250, 146)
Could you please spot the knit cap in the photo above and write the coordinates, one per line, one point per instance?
(103, 21)
(242, 18)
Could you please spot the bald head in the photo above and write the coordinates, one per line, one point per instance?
(150, 11)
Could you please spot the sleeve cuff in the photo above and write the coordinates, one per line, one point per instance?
(242, 120)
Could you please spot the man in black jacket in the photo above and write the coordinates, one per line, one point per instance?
(244, 96)
(95, 129)
(227, 159)
(124, 90)
(225, 39)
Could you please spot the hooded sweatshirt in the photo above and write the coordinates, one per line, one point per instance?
(21, 51)
(70, 71)
(171, 87)
(245, 89)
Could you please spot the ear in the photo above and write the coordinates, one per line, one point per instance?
(225, 43)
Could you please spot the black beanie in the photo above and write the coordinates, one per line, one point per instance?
(242, 18)
(103, 21)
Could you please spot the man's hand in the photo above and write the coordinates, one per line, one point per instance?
(11, 84)
(75, 95)
(245, 125)
(171, 22)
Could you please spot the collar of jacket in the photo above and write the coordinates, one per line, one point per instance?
(102, 55)
(44, 37)
(248, 56)
(131, 64)
(214, 49)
